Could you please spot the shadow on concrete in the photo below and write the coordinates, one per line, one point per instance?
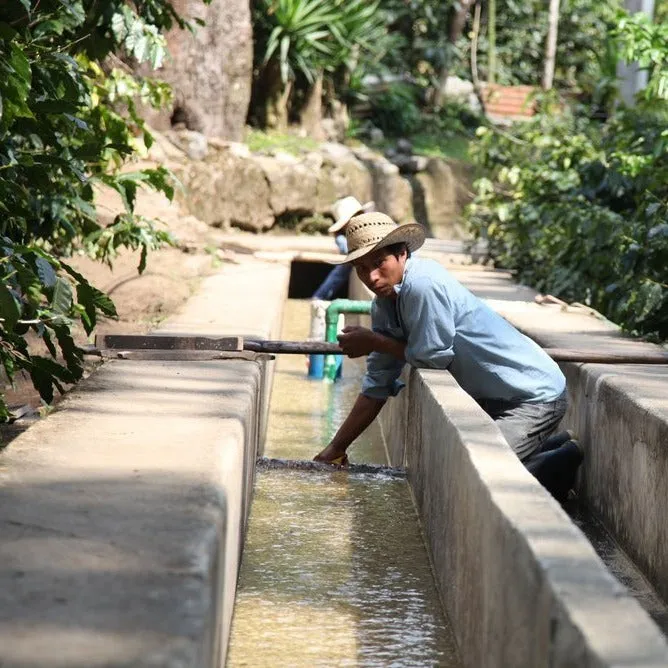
(100, 571)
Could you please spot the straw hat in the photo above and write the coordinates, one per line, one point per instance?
(371, 231)
(344, 209)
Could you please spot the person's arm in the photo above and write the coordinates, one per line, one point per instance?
(362, 414)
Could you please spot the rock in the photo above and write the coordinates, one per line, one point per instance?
(292, 186)
(194, 144)
(436, 200)
(461, 90)
(313, 161)
(391, 192)
(335, 151)
(376, 135)
(229, 190)
(410, 164)
(163, 150)
(341, 174)
(404, 146)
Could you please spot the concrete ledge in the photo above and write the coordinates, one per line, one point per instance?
(123, 514)
(244, 299)
(620, 413)
(122, 518)
(521, 584)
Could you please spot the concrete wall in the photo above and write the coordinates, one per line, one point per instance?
(123, 513)
(520, 583)
(625, 478)
(122, 517)
(620, 413)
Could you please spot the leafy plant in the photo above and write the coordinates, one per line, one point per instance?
(395, 110)
(68, 124)
(580, 208)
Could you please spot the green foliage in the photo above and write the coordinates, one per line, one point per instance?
(579, 208)
(68, 123)
(310, 36)
(646, 43)
(395, 110)
(584, 53)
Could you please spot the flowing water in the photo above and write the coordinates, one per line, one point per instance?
(334, 570)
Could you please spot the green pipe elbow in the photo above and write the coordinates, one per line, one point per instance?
(337, 307)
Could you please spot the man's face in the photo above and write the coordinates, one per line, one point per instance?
(380, 271)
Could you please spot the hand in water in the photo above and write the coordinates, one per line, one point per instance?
(331, 456)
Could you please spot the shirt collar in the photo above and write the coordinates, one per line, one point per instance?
(398, 286)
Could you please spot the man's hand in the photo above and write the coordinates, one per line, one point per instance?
(357, 341)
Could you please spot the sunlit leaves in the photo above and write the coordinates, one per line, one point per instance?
(579, 208)
(69, 122)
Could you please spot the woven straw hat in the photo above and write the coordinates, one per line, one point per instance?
(344, 209)
(371, 231)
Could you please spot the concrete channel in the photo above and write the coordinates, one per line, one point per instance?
(124, 513)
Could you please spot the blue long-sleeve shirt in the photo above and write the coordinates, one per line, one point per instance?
(447, 327)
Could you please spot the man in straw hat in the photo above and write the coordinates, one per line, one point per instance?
(422, 316)
(343, 210)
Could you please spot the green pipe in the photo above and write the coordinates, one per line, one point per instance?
(337, 307)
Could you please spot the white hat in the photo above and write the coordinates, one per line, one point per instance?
(370, 231)
(344, 209)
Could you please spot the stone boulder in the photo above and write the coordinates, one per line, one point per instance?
(228, 188)
(341, 174)
(435, 199)
(392, 193)
(292, 185)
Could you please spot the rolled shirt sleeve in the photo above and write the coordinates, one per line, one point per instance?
(382, 376)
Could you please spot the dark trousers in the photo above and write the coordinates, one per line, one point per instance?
(527, 428)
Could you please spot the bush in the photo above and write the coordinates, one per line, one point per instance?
(395, 110)
(580, 210)
(68, 123)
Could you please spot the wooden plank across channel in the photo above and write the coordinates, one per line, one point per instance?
(168, 342)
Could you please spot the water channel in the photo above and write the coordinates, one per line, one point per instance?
(335, 571)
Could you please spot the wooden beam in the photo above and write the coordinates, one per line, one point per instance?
(587, 357)
(167, 342)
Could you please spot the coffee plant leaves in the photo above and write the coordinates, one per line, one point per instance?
(68, 124)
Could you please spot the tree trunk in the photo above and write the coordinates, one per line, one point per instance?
(455, 29)
(277, 99)
(491, 38)
(551, 47)
(310, 117)
(474, 58)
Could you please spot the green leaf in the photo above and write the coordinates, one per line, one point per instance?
(9, 308)
(61, 302)
(46, 272)
(72, 354)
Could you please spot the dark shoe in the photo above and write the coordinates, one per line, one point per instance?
(557, 440)
(557, 469)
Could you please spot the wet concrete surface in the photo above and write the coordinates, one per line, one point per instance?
(335, 569)
(619, 563)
